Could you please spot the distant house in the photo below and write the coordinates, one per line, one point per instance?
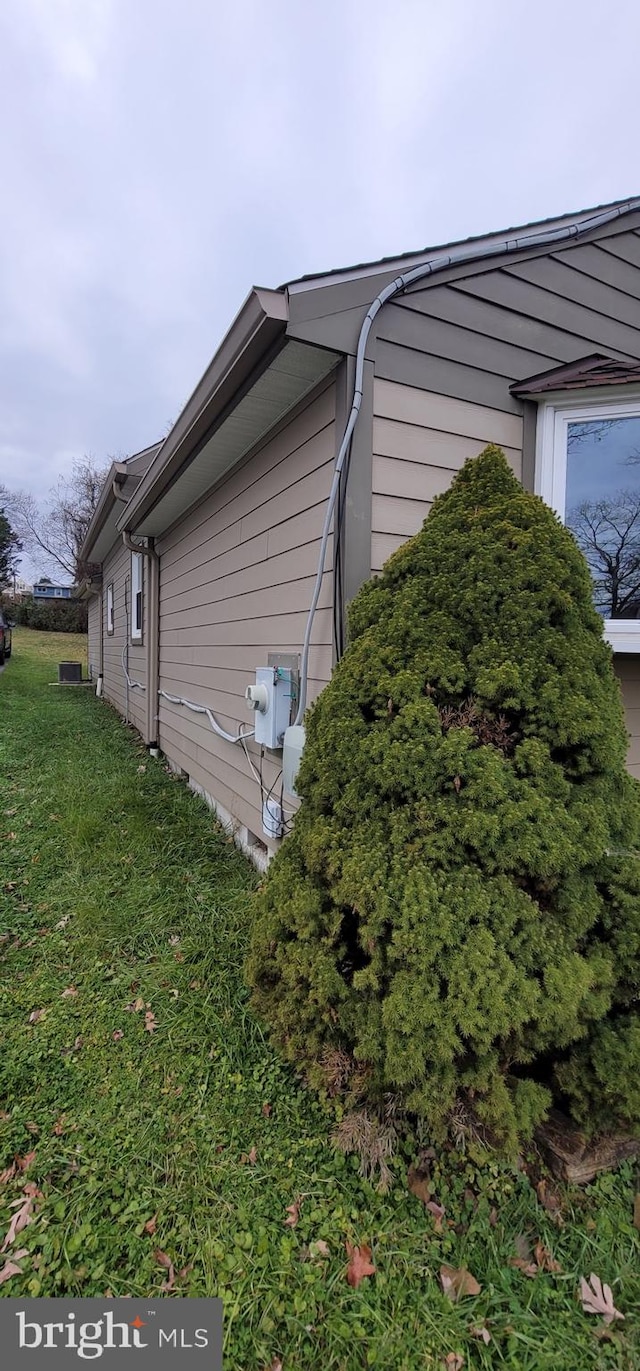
(46, 590)
(209, 543)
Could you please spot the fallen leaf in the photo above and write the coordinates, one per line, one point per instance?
(22, 1216)
(293, 1211)
(457, 783)
(275, 1365)
(165, 1261)
(458, 1282)
(481, 1332)
(32, 1127)
(438, 1212)
(527, 1268)
(141, 769)
(68, 993)
(117, 1035)
(544, 1259)
(11, 1267)
(636, 1212)
(419, 1183)
(548, 1197)
(8, 1174)
(78, 1043)
(493, 1217)
(150, 1024)
(597, 1298)
(266, 1110)
(174, 939)
(454, 1361)
(250, 1157)
(151, 1225)
(36, 1015)
(319, 1249)
(58, 1127)
(62, 923)
(359, 1265)
(23, 1163)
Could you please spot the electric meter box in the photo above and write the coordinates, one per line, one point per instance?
(270, 698)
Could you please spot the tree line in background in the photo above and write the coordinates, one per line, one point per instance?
(51, 533)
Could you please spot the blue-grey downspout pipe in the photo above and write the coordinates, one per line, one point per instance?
(401, 283)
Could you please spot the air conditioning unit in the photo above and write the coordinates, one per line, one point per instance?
(69, 673)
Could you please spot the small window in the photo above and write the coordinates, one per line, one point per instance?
(136, 597)
(110, 609)
(588, 470)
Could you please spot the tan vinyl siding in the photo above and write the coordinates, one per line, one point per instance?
(236, 578)
(116, 571)
(94, 612)
(420, 440)
(628, 672)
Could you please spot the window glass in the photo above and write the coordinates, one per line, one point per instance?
(603, 508)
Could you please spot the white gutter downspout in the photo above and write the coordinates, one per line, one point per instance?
(153, 630)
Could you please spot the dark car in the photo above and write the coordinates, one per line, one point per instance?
(5, 637)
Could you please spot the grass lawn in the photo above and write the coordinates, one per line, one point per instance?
(142, 1098)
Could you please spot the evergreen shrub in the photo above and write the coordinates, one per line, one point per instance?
(454, 921)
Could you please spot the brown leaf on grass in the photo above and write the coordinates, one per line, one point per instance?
(165, 1261)
(438, 1212)
(8, 1174)
(58, 1127)
(23, 1163)
(544, 1259)
(548, 1197)
(293, 1212)
(481, 1332)
(527, 1268)
(11, 1267)
(117, 1035)
(36, 1015)
(151, 1225)
(636, 1212)
(249, 1158)
(23, 1215)
(266, 1110)
(319, 1249)
(458, 1282)
(275, 1365)
(359, 1264)
(419, 1183)
(454, 1361)
(597, 1298)
(78, 1043)
(493, 1217)
(150, 1024)
(69, 993)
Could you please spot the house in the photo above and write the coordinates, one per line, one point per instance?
(44, 589)
(209, 543)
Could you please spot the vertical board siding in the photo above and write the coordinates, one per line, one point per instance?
(94, 612)
(420, 439)
(116, 571)
(236, 579)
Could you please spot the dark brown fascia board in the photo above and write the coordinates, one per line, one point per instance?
(259, 325)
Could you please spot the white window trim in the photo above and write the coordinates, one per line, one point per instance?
(110, 616)
(137, 588)
(554, 416)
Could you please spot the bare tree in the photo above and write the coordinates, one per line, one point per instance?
(608, 533)
(54, 533)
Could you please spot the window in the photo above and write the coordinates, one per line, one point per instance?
(110, 609)
(588, 470)
(136, 597)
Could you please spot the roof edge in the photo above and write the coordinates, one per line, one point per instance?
(259, 324)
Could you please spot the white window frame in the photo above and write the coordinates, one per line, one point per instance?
(110, 619)
(137, 597)
(555, 414)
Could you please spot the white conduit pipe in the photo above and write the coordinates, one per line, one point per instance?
(202, 709)
(439, 263)
(133, 685)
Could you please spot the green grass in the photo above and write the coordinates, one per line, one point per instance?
(114, 880)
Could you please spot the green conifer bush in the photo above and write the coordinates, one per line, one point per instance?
(455, 917)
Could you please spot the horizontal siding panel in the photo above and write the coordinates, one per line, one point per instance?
(411, 443)
(625, 246)
(618, 311)
(429, 410)
(289, 598)
(281, 633)
(593, 332)
(437, 337)
(202, 684)
(436, 374)
(245, 659)
(492, 321)
(396, 515)
(201, 569)
(206, 588)
(603, 266)
(409, 480)
(383, 545)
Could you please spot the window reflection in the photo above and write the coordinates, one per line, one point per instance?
(603, 508)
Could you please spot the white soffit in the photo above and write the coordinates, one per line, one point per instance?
(294, 372)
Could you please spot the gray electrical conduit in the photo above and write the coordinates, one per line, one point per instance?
(395, 287)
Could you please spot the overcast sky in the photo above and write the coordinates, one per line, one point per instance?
(160, 157)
